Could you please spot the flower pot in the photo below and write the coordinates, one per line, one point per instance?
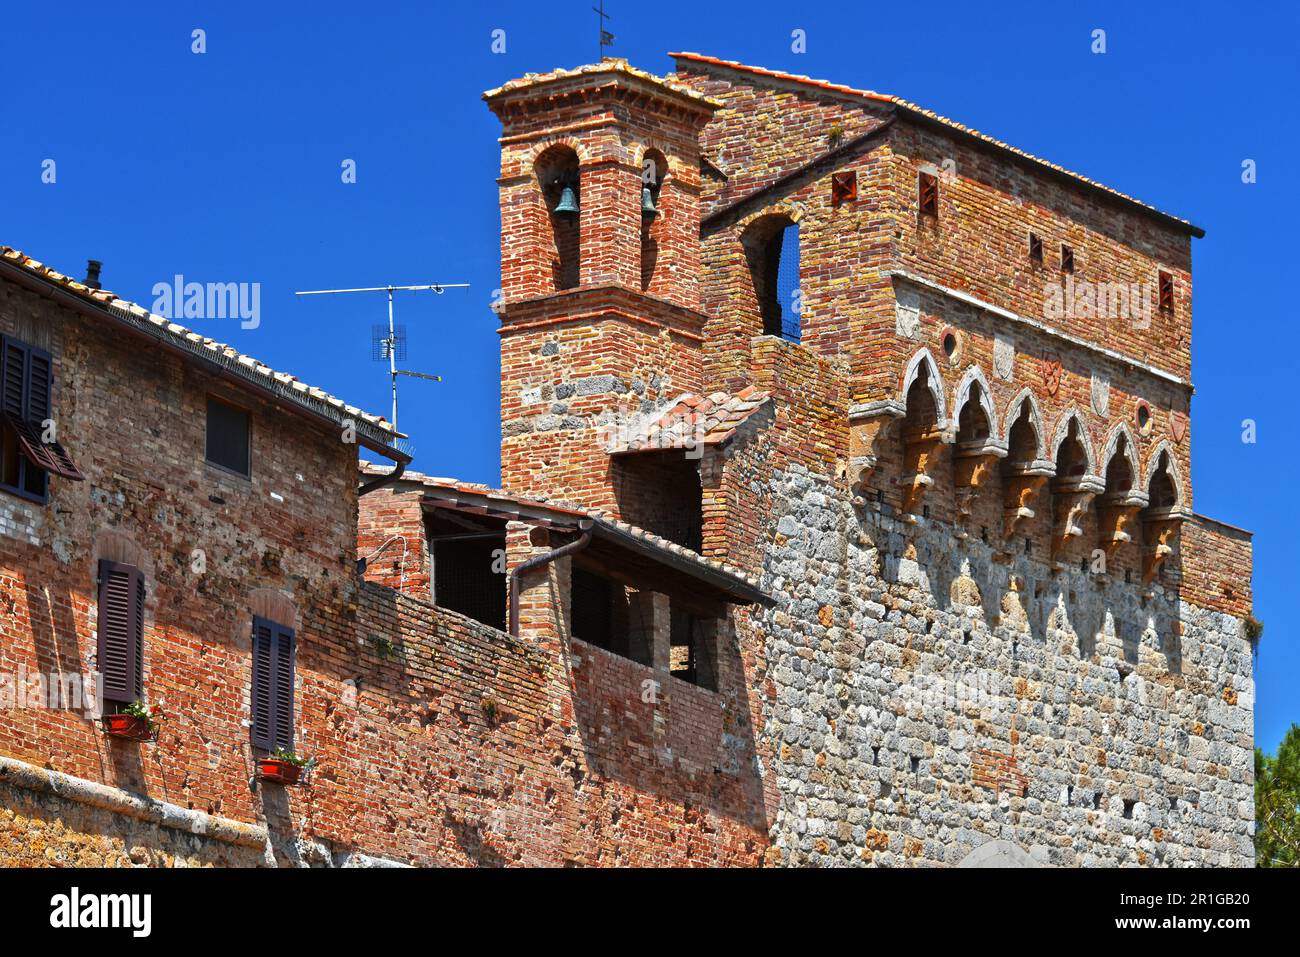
(281, 772)
(127, 726)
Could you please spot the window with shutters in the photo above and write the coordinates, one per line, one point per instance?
(120, 650)
(272, 693)
(228, 445)
(29, 450)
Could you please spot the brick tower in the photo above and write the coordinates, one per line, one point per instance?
(600, 311)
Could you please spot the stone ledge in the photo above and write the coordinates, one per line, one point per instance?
(69, 788)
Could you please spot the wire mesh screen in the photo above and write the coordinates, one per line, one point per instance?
(787, 284)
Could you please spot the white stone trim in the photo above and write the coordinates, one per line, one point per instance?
(923, 357)
(1035, 418)
(972, 375)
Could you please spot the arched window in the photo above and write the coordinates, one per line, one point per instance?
(1119, 471)
(1022, 439)
(1163, 491)
(557, 176)
(772, 249)
(972, 421)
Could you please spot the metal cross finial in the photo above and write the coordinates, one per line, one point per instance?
(606, 38)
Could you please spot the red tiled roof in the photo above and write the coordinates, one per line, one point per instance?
(691, 421)
(916, 110)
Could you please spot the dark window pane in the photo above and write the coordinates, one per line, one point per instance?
(228, 437)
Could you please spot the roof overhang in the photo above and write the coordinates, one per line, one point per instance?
(303, 404)
(628, 554)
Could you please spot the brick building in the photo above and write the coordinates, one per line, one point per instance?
(845, 517)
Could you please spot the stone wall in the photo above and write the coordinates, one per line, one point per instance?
(931, 697)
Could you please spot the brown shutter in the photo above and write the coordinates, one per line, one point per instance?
(13, 371)
(120, 654)
(284, 655)
(263, 670)
(272, 692)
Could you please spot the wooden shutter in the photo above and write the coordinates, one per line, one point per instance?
(14, 373)
(120, 653)
(272, 692)
(26, 402)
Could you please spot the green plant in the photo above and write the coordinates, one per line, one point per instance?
(1254, 629)
(152, 716)
(290, 757)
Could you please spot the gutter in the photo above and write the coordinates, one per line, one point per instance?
(383, 480)
(576, 545)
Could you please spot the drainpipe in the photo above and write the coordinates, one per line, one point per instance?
(383, 480)
(576, 545)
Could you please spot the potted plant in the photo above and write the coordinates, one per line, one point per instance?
(134, 722)
(283, 767)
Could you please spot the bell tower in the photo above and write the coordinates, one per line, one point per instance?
(600, 260)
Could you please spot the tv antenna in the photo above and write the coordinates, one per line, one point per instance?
(391, 345)
(606, 38)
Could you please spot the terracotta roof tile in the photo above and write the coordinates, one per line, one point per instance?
(692, 420)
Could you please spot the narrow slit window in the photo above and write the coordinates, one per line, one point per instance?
(928, 194)
(1036, 249)
(1166, 291)
(229, 432)
(1067, 258)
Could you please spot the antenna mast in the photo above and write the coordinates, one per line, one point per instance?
(390, 343)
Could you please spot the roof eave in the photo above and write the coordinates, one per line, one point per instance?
(367, 435)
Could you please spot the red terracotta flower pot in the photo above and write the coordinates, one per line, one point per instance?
(127, 726)
(281, 772)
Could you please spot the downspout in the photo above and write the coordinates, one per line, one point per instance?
(383, 480)
(576, 545)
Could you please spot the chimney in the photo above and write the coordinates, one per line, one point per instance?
(93, 267)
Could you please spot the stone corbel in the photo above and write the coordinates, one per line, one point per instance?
(1023, 480)
(1071, 500)
(1117, 518)
(973, 464)
(870, 426)
(920, 449)
(1159, 529)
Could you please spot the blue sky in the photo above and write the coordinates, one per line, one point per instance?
(226, 167)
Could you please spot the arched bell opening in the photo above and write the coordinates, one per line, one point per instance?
(651, 200)
(559, 182)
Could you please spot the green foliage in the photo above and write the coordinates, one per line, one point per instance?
(1277, 804)
(289, 757)
(152, 715)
